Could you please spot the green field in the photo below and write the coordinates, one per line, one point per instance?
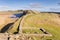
(49, 22)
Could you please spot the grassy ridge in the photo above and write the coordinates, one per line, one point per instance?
(14, 27)
(50, 22)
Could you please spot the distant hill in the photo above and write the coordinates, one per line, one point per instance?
(51, 12)
(10, 12)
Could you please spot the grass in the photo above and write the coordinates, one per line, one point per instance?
(28, 31)
(14, 27)
(34, 38)
(9, 12)
(49, 22)
(5, 18)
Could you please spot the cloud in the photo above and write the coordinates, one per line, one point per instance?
(35, 5)
(58, 3)
(2, 8)
(55, 9)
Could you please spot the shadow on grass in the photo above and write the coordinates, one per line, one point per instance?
(6, 27)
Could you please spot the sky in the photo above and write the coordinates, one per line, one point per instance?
(40, 5)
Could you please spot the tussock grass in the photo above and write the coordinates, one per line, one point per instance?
(14, 27)
(50, 22)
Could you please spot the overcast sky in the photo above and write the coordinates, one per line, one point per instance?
(41, 5)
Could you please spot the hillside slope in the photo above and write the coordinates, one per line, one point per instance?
(49, 22)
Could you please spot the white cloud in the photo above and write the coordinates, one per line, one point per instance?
(3, 7)
(55, 9)
(35, 5)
